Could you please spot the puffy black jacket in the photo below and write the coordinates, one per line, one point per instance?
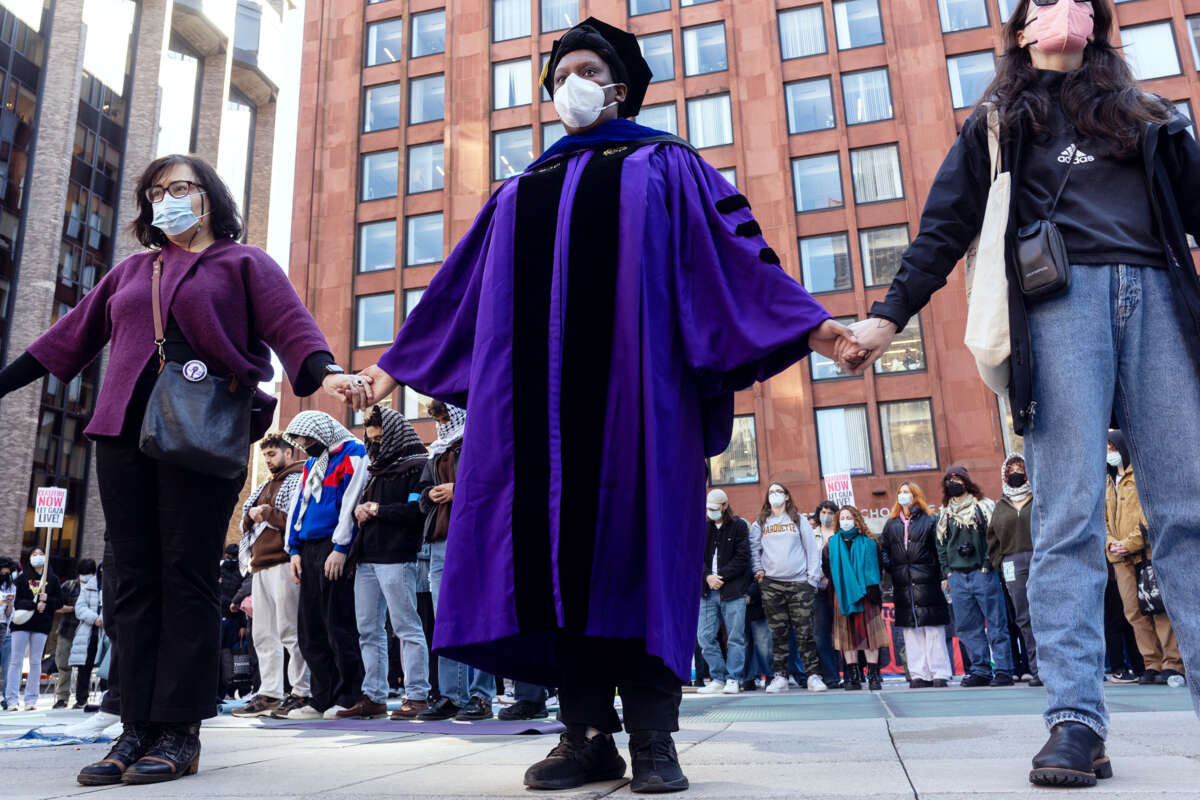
(231, 581)
(731, 542)
(916, 575)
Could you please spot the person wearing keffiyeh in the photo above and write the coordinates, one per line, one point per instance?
(391, 525)
(320, 531)
(1010, 549)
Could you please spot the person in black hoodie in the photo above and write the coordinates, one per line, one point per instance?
(391, 526)
(909, 549)
(1123, 338)
(38, 597)
(723, 594)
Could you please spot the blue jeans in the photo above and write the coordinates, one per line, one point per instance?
(758, 649)
(831, 659)
(390, 589)
(979, 601)
(458, 682)
(712, 610)
(1112, 343)
(5, 650)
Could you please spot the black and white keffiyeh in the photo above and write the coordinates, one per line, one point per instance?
(400, 449)
(326, 430)
(283, 501)
(450, 432)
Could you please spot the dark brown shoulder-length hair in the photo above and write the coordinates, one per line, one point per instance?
(971, 486)
(1102, 99)
(223, 218)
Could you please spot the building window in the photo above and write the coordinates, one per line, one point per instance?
(1013, 443)
(546, 96)
(380, 173)
(661, 117)
(558, 15)
(512, 83)
(1185, 108)
(881, 251)
(817, 182)
(810, 105)
(385, 41)
(1194, 39)
(659, 51)
(970, 76)
(647, 6)
(1007, 7)
(876, 173)
(179, 80)
(551, 133)
(825, 263)
(867, 96)
(686, 3)
(704, 49)
(512, 152)
(710, 123)
(960, 15)
(377, 246)
(906, 352)
(424, 239)
(1150, 50)
(427, 99)
(729, 174)
(802, 32)
(411, 298)
(375, 316)
(908, 443)
(234, 163)
(381, 110)
(429, 33)
(510, 19)
(739, 462)
(843, 442)
(426, 168)
(858, 23)
(826, 369)
(416, 405)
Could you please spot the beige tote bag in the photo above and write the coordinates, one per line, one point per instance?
(987, 334)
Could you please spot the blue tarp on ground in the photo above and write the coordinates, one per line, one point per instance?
(40, 738)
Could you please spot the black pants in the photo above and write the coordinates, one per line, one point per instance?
(328, 630)
(166, 525)
(110, 703)
(592, 668)
(1119, 641)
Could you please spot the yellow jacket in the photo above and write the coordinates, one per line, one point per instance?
(1123, 517)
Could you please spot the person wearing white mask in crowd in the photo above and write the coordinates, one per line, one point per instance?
(787, 566)
(723, 594)
(826, 528)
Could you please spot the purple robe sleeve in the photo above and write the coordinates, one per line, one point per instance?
(432, 352)
(282, 320)
(79, 335)
(742, 317)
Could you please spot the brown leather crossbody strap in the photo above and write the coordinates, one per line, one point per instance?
(156, 303)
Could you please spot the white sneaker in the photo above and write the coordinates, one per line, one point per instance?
(114, 730)
(792, 682)
(760, 682)
(712, 687)
(552, 702)
(732, 687)
(304, 712)
(29, 707)
(332, 712)
(778, 684)
(815, 684)
(93, 726)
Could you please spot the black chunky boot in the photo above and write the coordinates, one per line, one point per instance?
(175, 754)
(1074, 756)
(874, 682)
(853, 681)
(655, 763)
(577, 760)
(131, 745)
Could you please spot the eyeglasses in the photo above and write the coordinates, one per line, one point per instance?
(1053, 2)
(176, 189)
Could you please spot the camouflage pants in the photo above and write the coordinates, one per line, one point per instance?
(790, 603)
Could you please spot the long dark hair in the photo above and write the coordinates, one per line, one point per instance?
(961, 473)
(1102, 99)
(789, 508)
(223, 219)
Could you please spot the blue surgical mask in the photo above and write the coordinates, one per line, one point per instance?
(174, 215)
(37, 561)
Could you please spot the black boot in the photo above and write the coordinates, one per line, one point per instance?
(175, 754)
(853, 680)
(655, 763)
(1074, 756)
(130, 746)
(874, 683)
(577, 760)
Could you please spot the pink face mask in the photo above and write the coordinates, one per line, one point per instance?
(1061, 28)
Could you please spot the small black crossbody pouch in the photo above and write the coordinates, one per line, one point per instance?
(1043, 264)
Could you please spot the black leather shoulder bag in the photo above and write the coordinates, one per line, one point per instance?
(1043, 264)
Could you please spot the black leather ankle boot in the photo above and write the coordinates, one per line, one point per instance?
(133, 743)
(1074, 756)
(175, 754)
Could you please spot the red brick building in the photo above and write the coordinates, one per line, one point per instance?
(832, 116)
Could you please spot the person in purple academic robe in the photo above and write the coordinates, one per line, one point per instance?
(224, 303)
(595, 322)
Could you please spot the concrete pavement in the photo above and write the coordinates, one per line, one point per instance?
(894, 745)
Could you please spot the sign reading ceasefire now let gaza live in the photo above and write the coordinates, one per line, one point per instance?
(839, 489)
(50, 508)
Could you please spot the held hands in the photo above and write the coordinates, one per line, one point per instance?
(758, 576)
(362, 390)
(835, 341)
(872, 337)
(715, 582)
(334, 565)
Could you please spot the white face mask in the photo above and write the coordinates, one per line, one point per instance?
(777, 499)
(37, 561)
(905, 498)
(847, 524)
(579, 102)
(827, 520)
(1114, 459)
(84, 580)
(715, 514)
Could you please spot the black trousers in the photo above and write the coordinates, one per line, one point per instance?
(166, 526)
(110, 703)
(328, 630)
(593, 669)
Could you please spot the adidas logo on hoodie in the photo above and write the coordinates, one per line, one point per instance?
(1080, 157)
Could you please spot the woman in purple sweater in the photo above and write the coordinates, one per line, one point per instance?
(223, 305)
